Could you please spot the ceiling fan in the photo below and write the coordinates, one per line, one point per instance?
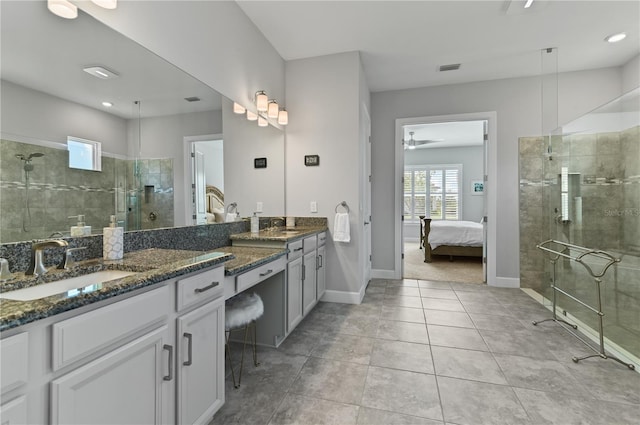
(411, 143)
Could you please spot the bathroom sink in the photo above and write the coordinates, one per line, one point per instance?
(72, 286)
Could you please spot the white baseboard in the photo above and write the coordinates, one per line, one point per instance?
(343, 296)
(506, 282)
(382, 274)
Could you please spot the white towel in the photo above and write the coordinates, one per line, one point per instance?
(230, 217)
(341, 232)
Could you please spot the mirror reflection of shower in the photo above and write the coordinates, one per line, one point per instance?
(28, 168)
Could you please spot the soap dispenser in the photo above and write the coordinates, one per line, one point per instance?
(112, 241)
(80, 229)
(255, 223)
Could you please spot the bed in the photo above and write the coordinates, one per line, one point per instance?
(215, 205)
(452, 238)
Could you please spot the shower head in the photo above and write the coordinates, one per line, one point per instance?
(21, 157)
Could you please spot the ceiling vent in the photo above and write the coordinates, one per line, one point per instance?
(100, 72)
(450, 67)
(192, 99)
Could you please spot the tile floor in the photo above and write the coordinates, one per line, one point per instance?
(421, 352)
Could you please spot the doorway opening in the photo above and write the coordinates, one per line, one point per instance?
(444, 198)
(204, 164)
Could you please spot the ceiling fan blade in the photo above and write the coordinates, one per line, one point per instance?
(427, 141)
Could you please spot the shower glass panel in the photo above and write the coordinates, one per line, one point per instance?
(591, 198)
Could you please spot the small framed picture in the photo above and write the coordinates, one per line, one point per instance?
(260, 163)
(477, 187)
(311, 160)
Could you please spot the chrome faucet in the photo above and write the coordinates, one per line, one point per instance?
(276, 222)
(36, 265)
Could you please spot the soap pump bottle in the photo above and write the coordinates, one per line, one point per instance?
(80, 229)
(112, 241)
(255, 223)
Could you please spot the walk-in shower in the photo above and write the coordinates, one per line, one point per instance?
(28, 168)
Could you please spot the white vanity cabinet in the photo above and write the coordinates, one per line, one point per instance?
(294, 285)
(14, 375)
(321, 265)
(309, 268)
(200, 347)
(122, 387)
(151, 357)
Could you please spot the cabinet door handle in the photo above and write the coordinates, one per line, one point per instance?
(298, 249)
(268, 272)
(321, 259)
(317, 262)
(169, 348)
(206, 288)
(189, 349)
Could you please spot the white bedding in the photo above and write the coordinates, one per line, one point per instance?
(460, 233)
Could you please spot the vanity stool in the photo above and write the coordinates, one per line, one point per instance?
(241, 313)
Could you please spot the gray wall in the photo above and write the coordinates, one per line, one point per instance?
(328, 126)
(471, 159)
(517, 104)
(42, 117)
(213, 162)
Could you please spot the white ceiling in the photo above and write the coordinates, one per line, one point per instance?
(47, 53)
(403, 43)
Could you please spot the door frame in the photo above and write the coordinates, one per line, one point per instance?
(188, 172)
(490, 182)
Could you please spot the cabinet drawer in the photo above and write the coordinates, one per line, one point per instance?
(200, 287)
(310, 243)
(14, 360)
(322, 238)
(260, 273)
(76, 338)
(14, 411)
(295, 249)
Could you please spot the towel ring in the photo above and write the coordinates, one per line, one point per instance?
(342, 204)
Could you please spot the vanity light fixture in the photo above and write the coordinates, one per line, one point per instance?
(262, 101)
(614, 38)
(251, 116)
(62, 8)
(262, 121)
(107, 104)
(107, 4)
(283, 117)
(272, 109)
(238, 109)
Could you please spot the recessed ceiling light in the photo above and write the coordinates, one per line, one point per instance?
(616, 37)
(107, 104)
(100, 72)
(528, 4)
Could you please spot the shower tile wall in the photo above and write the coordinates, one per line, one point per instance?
(55, 193)
(607, 166)
(156, 193)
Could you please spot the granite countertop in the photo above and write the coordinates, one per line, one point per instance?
(281, 234)
(152, 266)
(247, 257)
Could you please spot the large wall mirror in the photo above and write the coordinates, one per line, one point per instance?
(81, 79)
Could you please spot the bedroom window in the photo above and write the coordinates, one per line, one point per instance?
(432, 188)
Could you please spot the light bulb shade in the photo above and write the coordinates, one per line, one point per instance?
(107, 4)
(62, 8)
(262, 122)
(283, 117)
(238, 109)
(251, 116)
(272, 111)
(262, 102)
